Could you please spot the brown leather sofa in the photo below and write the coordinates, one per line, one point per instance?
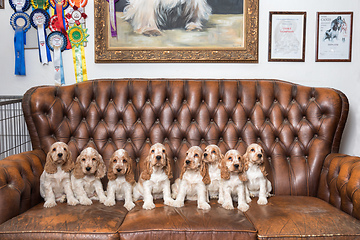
(316, 189)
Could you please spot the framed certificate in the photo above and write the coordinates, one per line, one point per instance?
(287, 36)
(334, 36)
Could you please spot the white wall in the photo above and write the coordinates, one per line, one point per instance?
(343, 76)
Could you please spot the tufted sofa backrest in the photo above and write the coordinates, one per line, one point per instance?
(297, 126)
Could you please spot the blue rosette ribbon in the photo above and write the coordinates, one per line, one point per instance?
(19, 5)
(20, 22)
(40, 19)
(57, 41)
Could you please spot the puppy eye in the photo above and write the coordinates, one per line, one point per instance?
(115, 161)
(152, 151)
(230, 158)
(163, 150)
(83, 159)
(94, 159)
(54, 149)
(213, 152)
(239, 158)
(253, 150)
(124, 161)
(196, 155)
(65, 149)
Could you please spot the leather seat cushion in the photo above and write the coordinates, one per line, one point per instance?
(291, 216)
(66, 222)
(187, 222)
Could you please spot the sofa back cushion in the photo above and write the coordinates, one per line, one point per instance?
(297, 126)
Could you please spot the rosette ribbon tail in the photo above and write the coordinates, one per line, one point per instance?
(58, 66)
(112, 15)
(79, 63)
(44, 51)
(19, 41)
(61, 21)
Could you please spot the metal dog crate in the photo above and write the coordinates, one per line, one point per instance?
(14, 135)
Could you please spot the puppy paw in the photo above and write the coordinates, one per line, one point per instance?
(152, 32)
(204, 206)
(72, 201)
(129, 205)
(49, 204)
(243, 207)
(102, 199)
(109, 202)
(62, 199)
(169, 202)
(228, 205)
(178, 204)
(85, 201)
(262, 201)
(148, 205)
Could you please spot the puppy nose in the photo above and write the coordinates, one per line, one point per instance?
(60, 154)
(205, 154)
(158, 157)
(88, 168)
(119, 170)
(236, 166)
(187, 162)
(259, 155)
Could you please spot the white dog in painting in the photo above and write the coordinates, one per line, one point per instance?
(149, 17)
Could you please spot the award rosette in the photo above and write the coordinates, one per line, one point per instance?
(40, 4)
(40, 19)
(59, 6)
(78, 3)
(112, 16)
(19, 5)
(20, 22)
(78, 36)
(75, 15)
(57, 42)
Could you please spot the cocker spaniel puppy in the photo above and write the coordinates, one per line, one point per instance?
(257, 185)
(154, 181)
(55, 180)
(149, 17)
(85, 179)
(213, 156)
(193, 179)
(121, 179)
(233, 177)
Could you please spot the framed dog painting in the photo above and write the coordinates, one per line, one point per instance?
(334, 36)
(176, 30)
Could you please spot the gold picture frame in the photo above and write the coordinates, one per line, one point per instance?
(245, 53)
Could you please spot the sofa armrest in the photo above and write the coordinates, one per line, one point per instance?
(20, 183)
(340, 183)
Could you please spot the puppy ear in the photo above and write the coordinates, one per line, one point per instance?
(204, 171)
(243, 177)
(168, 169)
(50, 166)
(101, 168)
(110, 174)
(262, 168)
(146, 173)
(78, 173)
(69, 164)
(224, 171)
(129, 175)
(183, 170)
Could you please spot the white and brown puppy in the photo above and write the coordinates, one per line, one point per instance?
(85, 179)
(149, 17)
(55, 182)
(121, 179)
(154, 181)
(233, 177)
(257, 185)
(213, 156)
(194, 177)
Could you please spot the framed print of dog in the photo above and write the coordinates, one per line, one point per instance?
(334, 36)
(177, 31)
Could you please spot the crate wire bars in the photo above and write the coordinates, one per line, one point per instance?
(14, 136)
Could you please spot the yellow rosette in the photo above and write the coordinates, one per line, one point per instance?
(78, 36)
